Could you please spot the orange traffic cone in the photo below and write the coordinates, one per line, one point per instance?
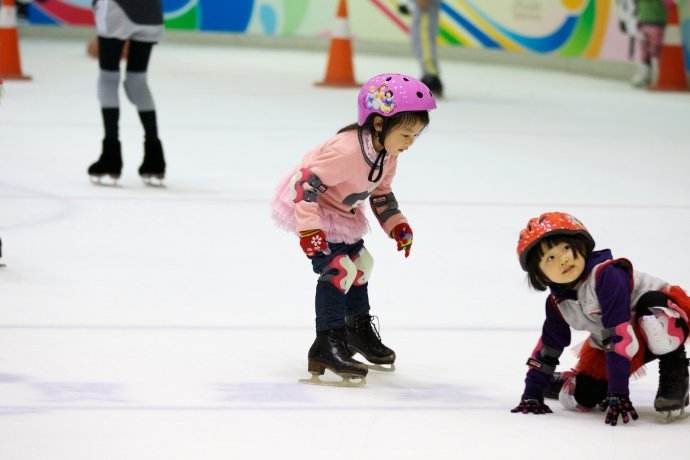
(671, 64)
(10, 66)
(339, 71)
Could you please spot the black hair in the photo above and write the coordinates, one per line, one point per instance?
(536, 278)
(399, 119)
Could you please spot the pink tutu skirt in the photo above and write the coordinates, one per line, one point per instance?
(338, 228)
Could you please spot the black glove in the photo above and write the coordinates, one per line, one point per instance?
(614, 406)
(532, 406)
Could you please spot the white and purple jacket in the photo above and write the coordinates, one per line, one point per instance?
(601, 302)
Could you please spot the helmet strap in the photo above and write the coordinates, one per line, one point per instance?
(378, 163)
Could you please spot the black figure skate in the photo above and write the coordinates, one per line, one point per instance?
(152, 169)
(433, 82)
(672, 395)
(109, 164)
(363, 338)
(330, 352)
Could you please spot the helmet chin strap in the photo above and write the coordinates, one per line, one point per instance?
(378, 163)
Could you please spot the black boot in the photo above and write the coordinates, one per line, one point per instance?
(434, 84)
(110, 161)
(363, 338)
(673, 381)
(330, 352)
(154, 162)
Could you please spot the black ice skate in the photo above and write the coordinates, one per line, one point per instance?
(434, 84)
(330, 352)
(363, 338)
(152, 169)
(108, 164)
(672, 395)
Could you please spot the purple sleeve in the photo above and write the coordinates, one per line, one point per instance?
(555, 334)
(613, 290)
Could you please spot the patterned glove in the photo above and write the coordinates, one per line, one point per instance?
(531, 406)
(402, 233)
(312, 242)
(618, 405)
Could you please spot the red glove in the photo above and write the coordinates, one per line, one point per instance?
(402, 234)
(312, 242)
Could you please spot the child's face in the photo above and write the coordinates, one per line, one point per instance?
(402, 137)
(560, 263)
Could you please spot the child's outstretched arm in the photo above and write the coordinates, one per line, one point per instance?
(385, 208)
(613, 288)
(543, 361)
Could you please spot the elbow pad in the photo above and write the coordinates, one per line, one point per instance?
(306, 186)
(621, 340)
(544, 359)
(384, 207)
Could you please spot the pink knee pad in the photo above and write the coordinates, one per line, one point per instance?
(661, 329)
(341, 273)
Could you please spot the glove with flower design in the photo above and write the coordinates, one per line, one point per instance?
(402, 234)
(618, 405)
(313, 242)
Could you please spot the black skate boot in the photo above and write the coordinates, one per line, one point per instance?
(152, 169)
(330, 352)
(672, 394)
(109, 163)
(434, 84)
(363, 338)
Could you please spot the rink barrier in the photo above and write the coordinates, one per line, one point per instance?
(10, 62)
(610, 69)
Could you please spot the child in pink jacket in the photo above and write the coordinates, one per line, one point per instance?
(321, 201)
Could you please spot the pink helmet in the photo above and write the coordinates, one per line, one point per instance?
(390, 93)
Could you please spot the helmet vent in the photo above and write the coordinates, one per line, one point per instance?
(406, 79)
(389, 78)
(419, 94)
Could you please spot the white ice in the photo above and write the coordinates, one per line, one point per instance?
(142, 323)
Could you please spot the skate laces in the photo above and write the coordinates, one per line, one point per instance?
(374, 325)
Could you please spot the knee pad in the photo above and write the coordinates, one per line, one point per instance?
(588, 391)
(365, 264)
(622, 340)
(340, 272)
(665, 329)
(138, 92)
(108, 83)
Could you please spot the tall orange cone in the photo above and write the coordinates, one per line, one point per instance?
(10, 66)
(340, 71)
(671, 64)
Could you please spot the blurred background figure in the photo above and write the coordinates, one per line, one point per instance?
(651, 15)
(425, 15)
(141, 23)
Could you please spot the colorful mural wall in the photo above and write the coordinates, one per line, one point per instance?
(572, 28)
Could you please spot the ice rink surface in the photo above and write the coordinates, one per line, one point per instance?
(143, 323)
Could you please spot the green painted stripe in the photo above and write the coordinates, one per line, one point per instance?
(582, 34)
(187, 21)
(449, 38)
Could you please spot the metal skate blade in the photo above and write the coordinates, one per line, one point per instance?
(153, 181)
(671, 416)
(103, 182)
(381, 367)
(346, 382)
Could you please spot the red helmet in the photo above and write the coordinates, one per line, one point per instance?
(549, 224)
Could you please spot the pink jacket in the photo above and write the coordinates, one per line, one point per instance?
(342, 163)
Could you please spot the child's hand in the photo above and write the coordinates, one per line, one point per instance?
(313, 242)
(531, 406)
(402, 233)
(619, 405)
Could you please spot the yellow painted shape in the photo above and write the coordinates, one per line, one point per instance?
(485, 27)
(603, 9)
(573, 5)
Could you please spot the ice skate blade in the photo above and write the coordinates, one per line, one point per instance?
(100, 180)
(153, 181)
(346, 382)
(671, 416)
(381, 367)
